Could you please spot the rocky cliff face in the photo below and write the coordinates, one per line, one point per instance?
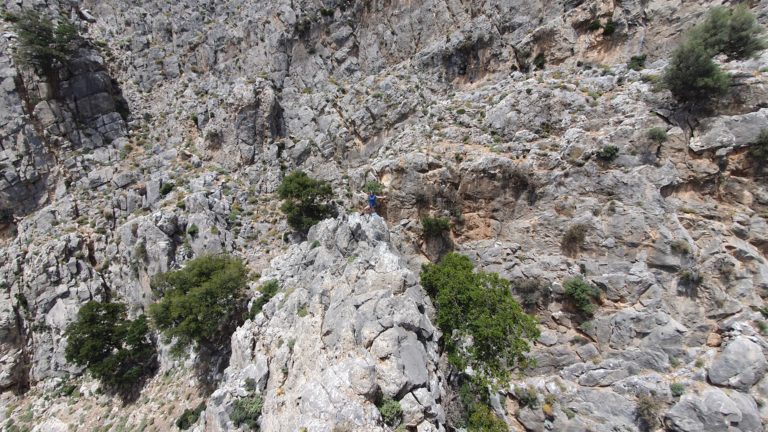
(351, 326)
(182, 114)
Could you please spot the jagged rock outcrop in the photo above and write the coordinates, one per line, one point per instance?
(351, 325)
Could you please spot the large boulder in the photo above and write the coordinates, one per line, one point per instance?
(740, 365)
(714, 411)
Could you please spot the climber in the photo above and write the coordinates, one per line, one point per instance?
(371, 207)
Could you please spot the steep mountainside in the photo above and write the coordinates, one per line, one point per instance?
(166, 136)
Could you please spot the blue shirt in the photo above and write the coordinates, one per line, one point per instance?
(372, 200)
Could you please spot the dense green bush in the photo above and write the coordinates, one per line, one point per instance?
(692, 76)
(202, 303)
(117, 351)
(268, 290)
(657, 134)
(189, 417)
(677, 389)
(246, 411)
(608, 153)
(391, 412)
(374, 187)
(609, 28)
(733, 32)
(483, 419)
(166, 188)
(582, 294)
(305, 200)
(478, 305)
(637, 62)
(435, 226)
(41, 43)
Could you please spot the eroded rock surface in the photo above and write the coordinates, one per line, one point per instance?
(349, 326)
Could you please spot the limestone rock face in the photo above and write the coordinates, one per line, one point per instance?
(350, 325)
(168, 133)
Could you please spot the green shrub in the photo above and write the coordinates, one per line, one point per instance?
(117, 351)
(527, 397)
(193, 230)
(268, 290)
(574, 238)
(41, 43)
(435, 226)
(478, 305)
(609, 28)
(374, 187)
(166, 188)
(648, 407)
(594, 25)
(733, 32)
(608, 153)
(759, 149)
(692, 76)
(391, 412)
(246, 411)
(483, 419)
(677, 389)
(305, 200)
(539, 61)
(637, 62)
(657, 134)
(189, 417)
(202, 303)
(689, 276)
(582, 294)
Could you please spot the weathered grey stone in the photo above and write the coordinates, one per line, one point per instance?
(740, 365)
(710, 412)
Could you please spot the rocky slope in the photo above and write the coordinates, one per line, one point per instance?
(182, 114)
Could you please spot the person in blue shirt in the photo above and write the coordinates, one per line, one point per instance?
(371, 207)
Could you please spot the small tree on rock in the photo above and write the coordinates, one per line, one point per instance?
(733, 32)
(202, 304)
(306, 200)
(692, 77)
(43, 43)
(117, 351)
(478, 306)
